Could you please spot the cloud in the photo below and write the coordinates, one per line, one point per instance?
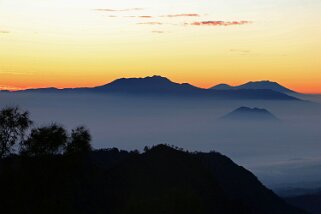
(4, 32)
(219, 23)
(145, 17)
(150, 23)
(142, 17)
(168, 16)
(158, 31)
(118, 10)
(182, 15)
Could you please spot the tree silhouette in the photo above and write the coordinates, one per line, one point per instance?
(79, 142)
(45, 141)
(13, 125)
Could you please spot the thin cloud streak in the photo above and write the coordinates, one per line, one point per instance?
(150, 23)
(149, 16)
(4, 32)
(158, 31)
(182, 15)
(143, 17)
(219, 23)
(118, 10)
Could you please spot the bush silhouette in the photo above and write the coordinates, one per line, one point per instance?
(45, 141)
(13, 125)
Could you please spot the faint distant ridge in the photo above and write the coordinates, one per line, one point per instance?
(266, 84)
(250, 114)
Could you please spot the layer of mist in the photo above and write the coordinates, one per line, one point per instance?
(281, 154)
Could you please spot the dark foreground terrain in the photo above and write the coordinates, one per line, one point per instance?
(310, 202)
(160, 180)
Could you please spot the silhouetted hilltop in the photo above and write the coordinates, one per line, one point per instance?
(267, 85)
(161, 180)
(161, 86)
(250, 114)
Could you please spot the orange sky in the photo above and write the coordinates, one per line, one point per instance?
(69, 43)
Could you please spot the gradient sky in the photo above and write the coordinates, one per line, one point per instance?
(72, 43)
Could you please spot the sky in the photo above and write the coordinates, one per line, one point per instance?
(74, 43)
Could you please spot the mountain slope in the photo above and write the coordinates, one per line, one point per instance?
(161, 180)
(241, 185)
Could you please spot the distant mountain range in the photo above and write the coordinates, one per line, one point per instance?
(161, 86)
(250, 114)
(256, 85)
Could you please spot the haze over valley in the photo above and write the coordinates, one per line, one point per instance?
(130, 116)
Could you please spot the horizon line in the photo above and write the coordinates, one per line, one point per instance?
(17, 89)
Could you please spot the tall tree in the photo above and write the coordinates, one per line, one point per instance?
(13, 125)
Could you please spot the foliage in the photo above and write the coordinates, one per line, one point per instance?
(79, 142)
(44, 141)
(13, 125)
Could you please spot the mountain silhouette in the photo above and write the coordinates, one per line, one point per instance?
(160, 180)
(153, 84)
(256, 85)
(250, 114)
(161, 86)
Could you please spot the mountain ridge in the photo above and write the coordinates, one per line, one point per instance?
(264, 84)
(162, 86)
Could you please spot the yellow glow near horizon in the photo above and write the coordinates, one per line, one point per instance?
(68, 43)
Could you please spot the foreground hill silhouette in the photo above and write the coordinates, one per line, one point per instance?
(267, 85)
(250, 114)
(161, 86)
(161, 180)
